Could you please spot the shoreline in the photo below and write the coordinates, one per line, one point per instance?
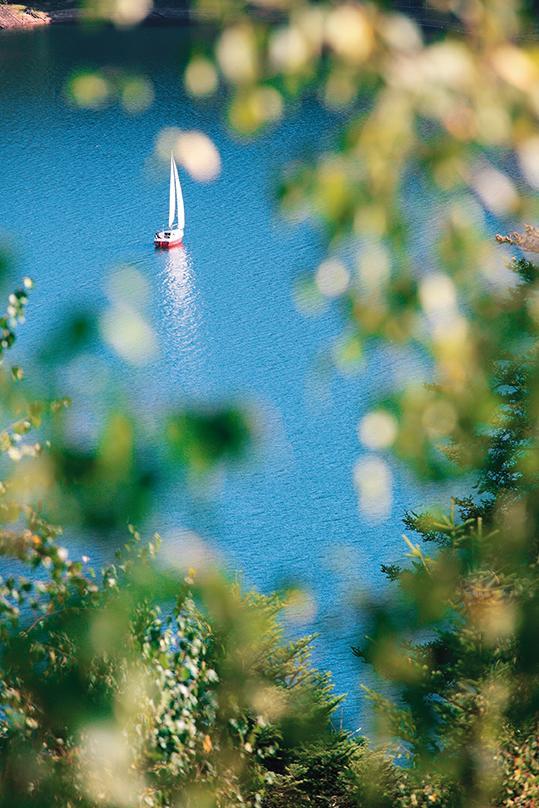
(19, 17)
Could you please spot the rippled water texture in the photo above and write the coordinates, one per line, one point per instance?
(78, 198)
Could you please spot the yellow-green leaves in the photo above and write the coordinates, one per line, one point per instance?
(96, 89)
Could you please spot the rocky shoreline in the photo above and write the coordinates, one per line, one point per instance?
(13, 17)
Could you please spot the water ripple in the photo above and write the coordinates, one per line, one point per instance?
(181, 308)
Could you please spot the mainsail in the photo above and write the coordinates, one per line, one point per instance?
(172, 193)
(179, 199)
(172, 237)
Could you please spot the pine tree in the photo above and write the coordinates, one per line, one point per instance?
(456, 637)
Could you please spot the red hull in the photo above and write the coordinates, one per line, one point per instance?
(165, 245)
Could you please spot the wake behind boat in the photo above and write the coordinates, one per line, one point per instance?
(173, 235)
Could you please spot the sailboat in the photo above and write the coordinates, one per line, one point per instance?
(173, 235)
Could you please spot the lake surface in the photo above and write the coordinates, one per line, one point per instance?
(223, 311)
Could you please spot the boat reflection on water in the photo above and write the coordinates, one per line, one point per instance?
(183, 315)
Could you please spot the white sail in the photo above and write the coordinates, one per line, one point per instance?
(172, 193)
(179, 199)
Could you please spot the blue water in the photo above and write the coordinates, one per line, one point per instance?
(83, 183)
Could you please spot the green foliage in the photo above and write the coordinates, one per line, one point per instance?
(144, 686)
(149, 685)
(206, 438)
(456, 640)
